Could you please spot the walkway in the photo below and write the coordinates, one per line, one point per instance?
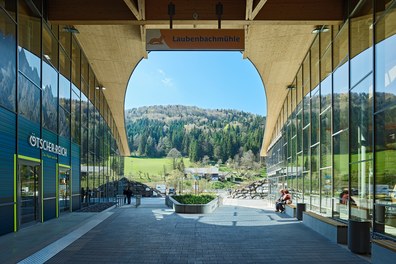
(153, 233)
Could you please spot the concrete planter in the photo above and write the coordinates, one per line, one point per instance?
(192, 208)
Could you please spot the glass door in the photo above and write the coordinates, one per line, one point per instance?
(29, 192)
(64, 189)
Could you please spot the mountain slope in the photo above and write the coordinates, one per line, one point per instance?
(219, 134)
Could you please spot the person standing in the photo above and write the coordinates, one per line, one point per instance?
(129, 195)
(82, 194)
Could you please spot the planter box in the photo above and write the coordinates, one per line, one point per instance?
(192, 208)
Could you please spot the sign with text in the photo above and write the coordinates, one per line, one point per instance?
(195, 39)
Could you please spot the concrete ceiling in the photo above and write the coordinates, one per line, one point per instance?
(278, 33)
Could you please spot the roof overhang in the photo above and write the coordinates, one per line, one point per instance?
(278, 34)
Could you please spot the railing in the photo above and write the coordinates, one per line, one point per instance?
(120, 199)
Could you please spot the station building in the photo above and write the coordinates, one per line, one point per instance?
(328, 68)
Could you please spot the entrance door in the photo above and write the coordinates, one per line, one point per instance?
(29, 192)
(64, 189)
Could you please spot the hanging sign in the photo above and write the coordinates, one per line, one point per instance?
(195, 39)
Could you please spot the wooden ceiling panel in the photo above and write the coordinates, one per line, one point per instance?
(308, 10)
(184, 9)
(88, 11)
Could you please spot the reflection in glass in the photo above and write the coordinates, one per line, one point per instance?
(325, 139)
(315, 63)
(50, 47)
(64, 123)
(9, 6)
(341, 98)
(28, 99)
(50, 98)
(325, 93)
(341, 173)
(315, 106)
(361, 120)
(29, 29)
(306, 148)
(361, 192)
(326, 192)
(7, 62)
(385, 171)
(340, 46)
(315, 170)
(29, 65)
(64, 93)
(76, 72)
(385, 80)
(76, 115)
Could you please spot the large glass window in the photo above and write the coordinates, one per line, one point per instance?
(64, 93)
(385, 171)
(50, 47)
(315, 106)
(361, 120)
(325, 93)
(341, 98)
(385, 60)
(340, 46)
(9, 6)
(64, 64)
(361, 192)
(29, 29)
(306, 148)
(76, 70)
(28, 99)
(315, 63)
(64, 123)
(50, 98)
(7, 61)
(315, 183)
(326, 189)
(325, 140)
(341, 173)
(76, 114)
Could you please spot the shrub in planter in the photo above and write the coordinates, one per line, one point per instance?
(194, 199)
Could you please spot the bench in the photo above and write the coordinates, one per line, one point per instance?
(290, 210)
(330, 228)
(383, 251)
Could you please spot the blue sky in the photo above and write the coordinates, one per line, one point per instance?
(211, 80)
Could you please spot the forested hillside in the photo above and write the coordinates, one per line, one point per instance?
(200, 134)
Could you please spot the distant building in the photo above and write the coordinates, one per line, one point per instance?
(211, 173)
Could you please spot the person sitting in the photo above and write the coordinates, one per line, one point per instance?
(285, 199)
(279, 200)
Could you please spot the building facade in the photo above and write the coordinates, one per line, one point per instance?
(334, 145)
(54, 119)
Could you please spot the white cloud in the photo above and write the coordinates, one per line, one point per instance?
(165, 79)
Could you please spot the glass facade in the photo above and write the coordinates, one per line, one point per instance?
(53, 120)
(349, 114)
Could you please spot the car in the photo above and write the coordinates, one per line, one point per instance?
(171, 190)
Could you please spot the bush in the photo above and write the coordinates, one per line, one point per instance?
(194, 199)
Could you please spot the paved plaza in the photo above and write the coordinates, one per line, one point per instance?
(240, 232)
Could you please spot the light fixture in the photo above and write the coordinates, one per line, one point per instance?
(70, 29)
(100, 88)
(171, 13)
(47, 57)
(291, 86)
(219, 13)
(320, 29)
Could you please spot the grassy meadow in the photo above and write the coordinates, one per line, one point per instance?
(148, 170)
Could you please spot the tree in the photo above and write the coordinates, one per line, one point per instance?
(205, 160)
(174, 154)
